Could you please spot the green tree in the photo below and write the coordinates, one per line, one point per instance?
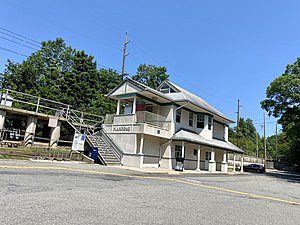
(249, 138)
(150, 75)
(283, 102)
(61, 73)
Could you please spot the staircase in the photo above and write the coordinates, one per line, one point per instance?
(109, 153)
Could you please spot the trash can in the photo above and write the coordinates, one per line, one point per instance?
(179, 163)
(93, 154)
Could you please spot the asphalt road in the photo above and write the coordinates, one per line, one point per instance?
(66, 193)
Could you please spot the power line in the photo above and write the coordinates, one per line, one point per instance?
(7, 39)
(23, 38)
(17, 53)
(19, 35)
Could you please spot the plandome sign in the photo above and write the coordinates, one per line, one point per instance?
(121, 129)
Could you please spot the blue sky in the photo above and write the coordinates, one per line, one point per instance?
(219, 50)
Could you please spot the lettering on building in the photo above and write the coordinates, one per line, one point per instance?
(122, 129)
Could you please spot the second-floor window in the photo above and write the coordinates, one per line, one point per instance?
(191, 120)
(209, 122)
(178, 115)
(178, 151)
(200, 121)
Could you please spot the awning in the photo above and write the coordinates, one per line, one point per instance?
(183, 135)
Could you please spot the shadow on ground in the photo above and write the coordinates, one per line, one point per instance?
(285, 175)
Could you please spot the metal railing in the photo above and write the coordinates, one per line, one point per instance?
(152, 119)
(19, 100)
(143, 117)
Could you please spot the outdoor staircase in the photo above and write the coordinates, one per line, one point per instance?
(109, 153)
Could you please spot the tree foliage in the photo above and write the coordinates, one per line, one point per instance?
(283, 102)
(150, 75)
(248, 136)
(61, 73)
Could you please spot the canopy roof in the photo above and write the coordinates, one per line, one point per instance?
(183, 135)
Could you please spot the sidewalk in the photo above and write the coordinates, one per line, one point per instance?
(150, 170)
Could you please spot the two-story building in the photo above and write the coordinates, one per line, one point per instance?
(154, 127)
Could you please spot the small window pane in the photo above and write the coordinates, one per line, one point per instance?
(209, 122)
(200, 121)
(178, 151)
(178, 115)
(191, 119)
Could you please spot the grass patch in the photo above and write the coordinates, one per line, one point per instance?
(13, 157)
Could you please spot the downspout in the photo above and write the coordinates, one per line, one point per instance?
(175, 113)
(160, 148)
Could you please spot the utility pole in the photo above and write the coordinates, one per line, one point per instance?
(265, 140)
(126, 41)
(238, 125)
(276, 143)
(256, 144)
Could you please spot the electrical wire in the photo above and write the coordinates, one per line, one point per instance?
(7, 39)
(17, 53)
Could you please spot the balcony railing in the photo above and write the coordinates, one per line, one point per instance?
(142, 117)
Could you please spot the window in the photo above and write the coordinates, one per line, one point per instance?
(178, 115)
(209, 122)
(195, 152)
(200, 121)
(207, 155)
(191, 119)
(178, 151)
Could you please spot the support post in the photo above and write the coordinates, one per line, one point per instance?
(198, 159)
(242, 162)
(55, 135)
(234, 162)
(141, 151)
(212, 162)
(224, 166)
(118, 106)
(134, 105)
(30, 130)
(2, 118)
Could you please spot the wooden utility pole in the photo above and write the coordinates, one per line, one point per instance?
(126, 41)
(276, 143)
(265, 140)
(238, 125)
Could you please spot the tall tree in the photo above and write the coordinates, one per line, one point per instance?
(151, 75)
(283, 102)
(61, 73)
(249, 138)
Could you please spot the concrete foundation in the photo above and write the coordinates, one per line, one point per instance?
(30, 130)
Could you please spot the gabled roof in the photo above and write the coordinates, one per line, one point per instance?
(142, 87)
(179, 96)
(183, 135)
(182, 95)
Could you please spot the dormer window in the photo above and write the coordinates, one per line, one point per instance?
(166, 89)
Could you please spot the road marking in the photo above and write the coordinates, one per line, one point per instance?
(155, 178)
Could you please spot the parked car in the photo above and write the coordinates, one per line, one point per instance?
(254, 168)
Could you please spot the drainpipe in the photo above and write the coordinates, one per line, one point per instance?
(175, 114)
(160, 148)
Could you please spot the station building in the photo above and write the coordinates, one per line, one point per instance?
(155, 127)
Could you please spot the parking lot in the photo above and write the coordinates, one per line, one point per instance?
(70, 193)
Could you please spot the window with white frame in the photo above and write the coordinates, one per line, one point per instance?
(209, 122)
(200, 121)
(178, 115)
(178, 151)
(191, 119)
